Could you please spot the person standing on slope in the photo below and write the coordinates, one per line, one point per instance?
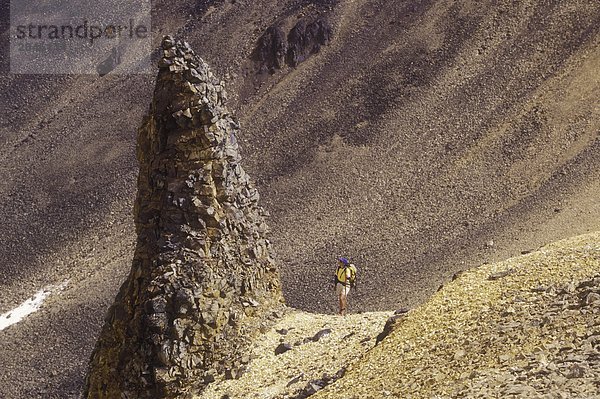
(345, 278)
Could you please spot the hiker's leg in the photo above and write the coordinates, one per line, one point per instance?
(343, 303)
(346, 292)
(339, 291)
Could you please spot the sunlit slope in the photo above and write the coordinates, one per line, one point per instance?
(526, 326)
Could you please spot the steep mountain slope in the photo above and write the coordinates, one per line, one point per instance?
(425, 138)
(452, 125)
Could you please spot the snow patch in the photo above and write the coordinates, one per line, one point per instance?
(29, 306)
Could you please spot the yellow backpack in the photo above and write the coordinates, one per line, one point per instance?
(341, 274)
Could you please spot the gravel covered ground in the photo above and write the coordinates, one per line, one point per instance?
(320, 349)
(526, 327)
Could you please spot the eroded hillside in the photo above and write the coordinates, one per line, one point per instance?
(423, 138)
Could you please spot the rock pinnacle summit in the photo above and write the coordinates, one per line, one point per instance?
(203, 281)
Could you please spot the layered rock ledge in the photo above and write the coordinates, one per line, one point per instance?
(203, 281)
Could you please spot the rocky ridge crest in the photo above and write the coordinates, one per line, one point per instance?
(526, 327)
(203, 280)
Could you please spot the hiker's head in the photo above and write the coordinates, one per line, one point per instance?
(344, 261)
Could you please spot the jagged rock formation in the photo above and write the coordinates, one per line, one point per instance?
(274, 49)
(306, 38)
(271, 50)
(202, 280)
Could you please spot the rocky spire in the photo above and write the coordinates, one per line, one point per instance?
(202, 280)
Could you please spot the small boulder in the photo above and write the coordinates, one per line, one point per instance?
(295, 379)
(499, 275)
(313, 387)
(282, 348)
(390, 324)
(321, 334)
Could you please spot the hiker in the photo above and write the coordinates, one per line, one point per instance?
(345, 278)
